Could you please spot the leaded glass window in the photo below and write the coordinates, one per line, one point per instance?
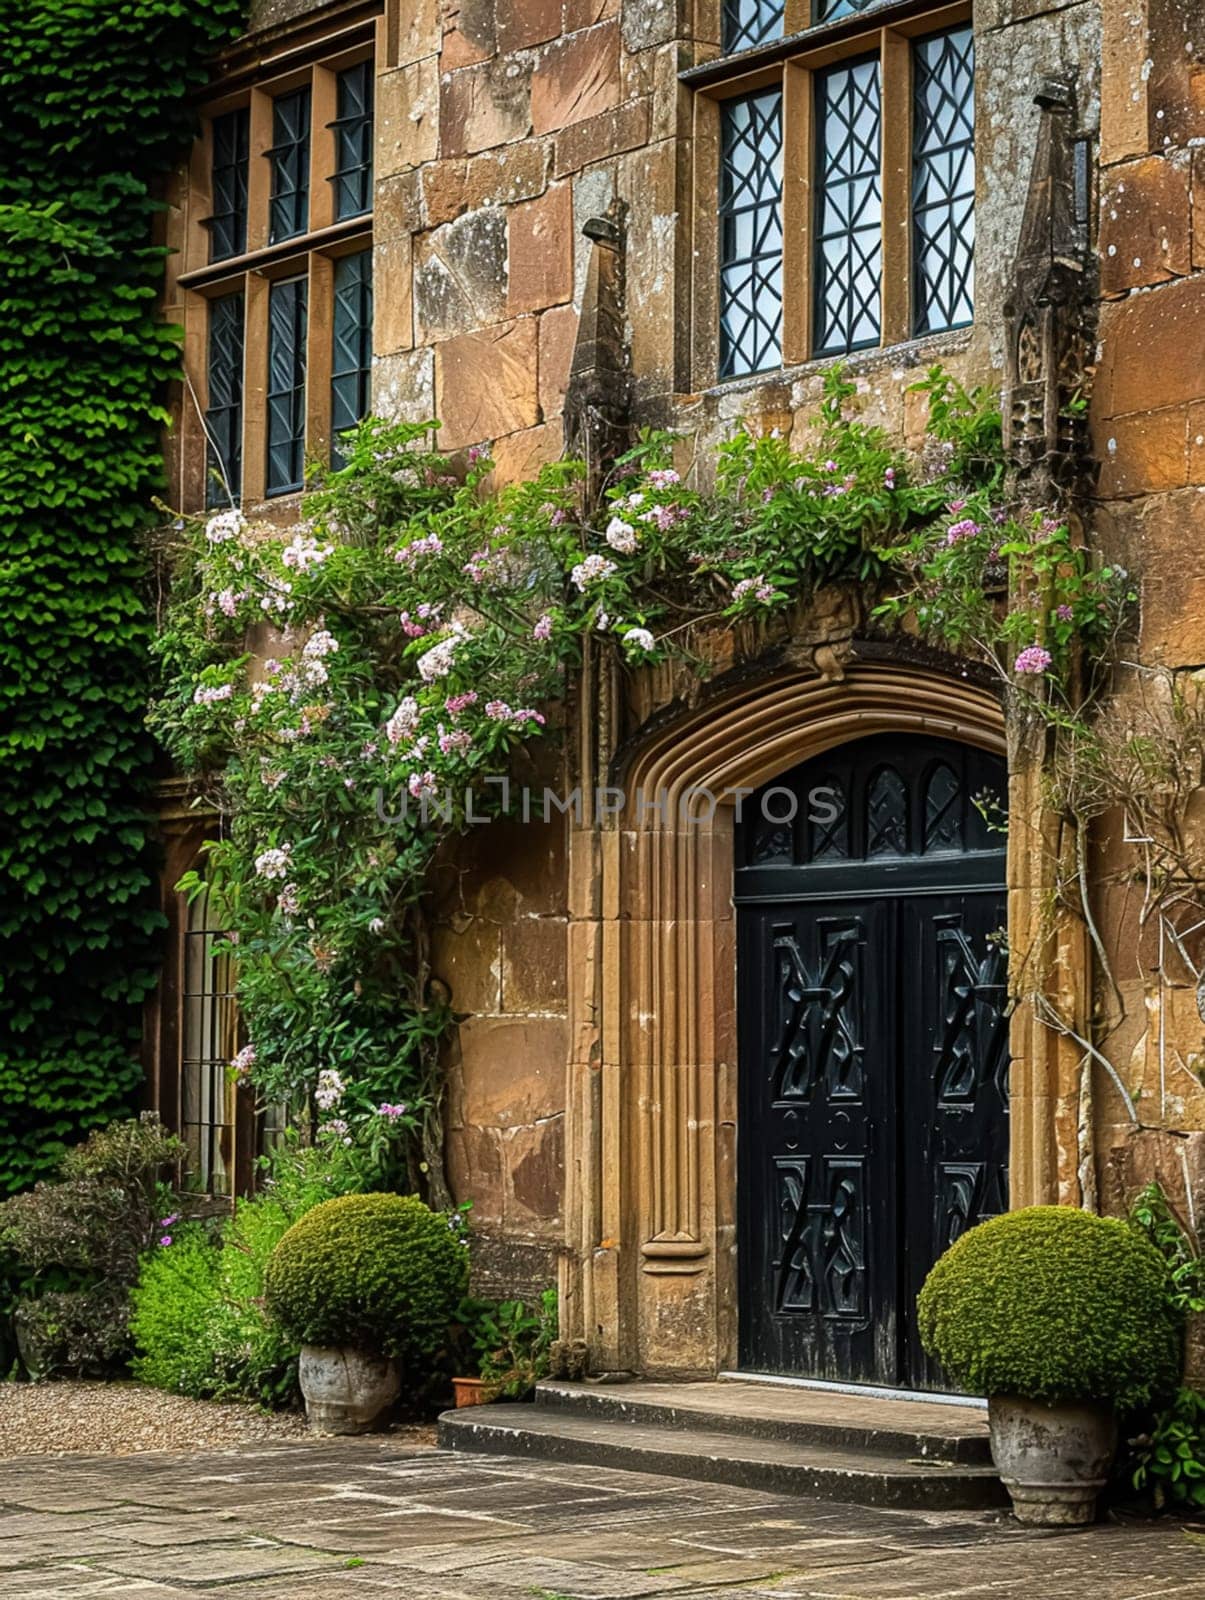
(830, 10)
(849, 207)
(224, 411)
(750, 22)
(228, 223)
(751, 233)
(352, 176)
(351, 364)
(290, 158)
(286, 385)
(943, 180)
(210, 1042)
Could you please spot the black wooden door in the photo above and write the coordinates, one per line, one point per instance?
(873, 1049)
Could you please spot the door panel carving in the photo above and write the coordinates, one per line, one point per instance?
(873, 1055)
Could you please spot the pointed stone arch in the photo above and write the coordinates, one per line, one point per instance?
(649, 1274)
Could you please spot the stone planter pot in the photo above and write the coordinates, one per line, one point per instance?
(1053, 1459)
(346, 1391)
(473, 1391)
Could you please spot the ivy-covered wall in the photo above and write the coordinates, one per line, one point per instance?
(95, 106)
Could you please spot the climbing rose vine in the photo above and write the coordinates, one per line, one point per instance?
(346, 689)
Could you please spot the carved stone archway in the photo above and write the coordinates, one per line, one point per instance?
(649, 1278)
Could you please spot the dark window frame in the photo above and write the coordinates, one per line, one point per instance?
(289, 158)
(761, 305)
(225, 373)
(794, 60)
(827, 178)
(351, 335)
(230, 164)
(285, 387)
(353, 130)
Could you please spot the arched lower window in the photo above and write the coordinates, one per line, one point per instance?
(209, 1041)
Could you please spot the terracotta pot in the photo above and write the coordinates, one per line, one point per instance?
(473, 1391)
(346, 1391)
(1053, 1459)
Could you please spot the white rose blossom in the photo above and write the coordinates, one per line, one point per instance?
(274, 863)
(592, 570)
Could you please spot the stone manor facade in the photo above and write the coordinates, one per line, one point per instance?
(552, 221)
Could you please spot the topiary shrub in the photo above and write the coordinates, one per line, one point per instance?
(381, 1272)
(1050, 1303)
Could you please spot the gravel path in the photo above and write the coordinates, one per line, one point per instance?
(118, 1419)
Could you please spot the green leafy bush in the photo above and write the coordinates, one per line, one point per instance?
(75, 1247)
(96, 107)
(1168, 1462)
(513, 1340)
(381, 1272)
(1051, 1303)
(198, 1318)
(173, 1313)
(1153, 1217)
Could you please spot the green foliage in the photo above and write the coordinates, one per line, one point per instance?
(76, 1245)
(95, 108)
(381, 1272)
(1168, 1462)
(1050, 1303)
(198, 1319)
(513, 1340)
(1155, 1220)
(427, 627)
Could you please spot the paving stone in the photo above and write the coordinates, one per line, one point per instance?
(537, 1574)
(286, 1522)
(399, 1531)
(207, 1565)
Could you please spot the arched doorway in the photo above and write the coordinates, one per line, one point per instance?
(872, 1048)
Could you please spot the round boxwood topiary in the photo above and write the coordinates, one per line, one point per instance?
(381, 1272)
(1050, 1303)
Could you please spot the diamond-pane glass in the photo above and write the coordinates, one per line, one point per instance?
(849, 208)
(829, 10)
(751, 234)
(943, 180)
(352, 176)
(286, 385)
(351, 362)
(224, 410)
(750, 22)
(228, 224)
(290, 158)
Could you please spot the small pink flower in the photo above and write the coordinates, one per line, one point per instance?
(1033, 659)
(889, 478)
(422, 783)
(664, 478)
(458, 740)
(543, 628)
(966, 529)
(456, 703)
(1064, 613)
(497, 711)
(166, 1239)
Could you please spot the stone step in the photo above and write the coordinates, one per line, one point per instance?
(929, 1430)
(776, 1466)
